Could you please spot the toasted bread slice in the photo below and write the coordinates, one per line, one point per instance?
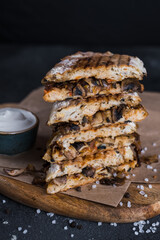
(81, 149)
(116, 114)
(106, 65)
(66, 182)
(90, 87)
(64, 137)
(75, 110)
(98, 160)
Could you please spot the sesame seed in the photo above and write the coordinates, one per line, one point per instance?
(146, 179)
(25, 231)
(99, 223)
(19, 229)
(65, 228)
(150, 186)
(53, 221)
(38, 211)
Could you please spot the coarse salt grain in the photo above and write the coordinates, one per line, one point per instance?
(142, 193)
(38, 211)
(65, 228)
(159, 156)
(3, 201)
(128, 176)
(154, 170)
(94, 186)
(19, 229)
(141, 187)
(142, 151)
(154, 144)
(136, 233)
(114, 174)
(99, 223)
(138, 186)
(97, 182)
(121, 204)
(5, 222)
(145, 195)
(72, 235)
(129, 204)
(25, 231)
(149, 167)
(148, 231)
(145, 148)
(14, 237)
(133, 175)
(134, 228)
(150, 186)
(70, 220)
(53, 221)
(146, 179)
(50, 214)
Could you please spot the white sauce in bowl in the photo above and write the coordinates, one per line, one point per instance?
(15, 119)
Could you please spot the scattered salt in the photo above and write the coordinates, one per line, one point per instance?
(53, 221)
(129, 204)
(146, 179)
(121, 204)
(50, 214)
(38, 211)
(94, 186)
(3, 201)
(136, 233)
(114, 174)
(154, 170)
(142, 193)
(154, 144)
(14, 237)
(145, 195)
(19, 229)
(5, 222)
(134, 228)
(142, 151)
(70, 220)
(150, 186)
(149, 167)
(72, 235)
(25, 231)
(133, 175)
(141, 187)
(128, 176)
(97, 182)
(99, 223)
(148, 231)
(65, 228)
(145, 148)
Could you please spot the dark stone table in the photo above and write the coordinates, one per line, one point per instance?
(21, 70)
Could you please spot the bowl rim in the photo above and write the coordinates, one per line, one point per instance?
(21, 131)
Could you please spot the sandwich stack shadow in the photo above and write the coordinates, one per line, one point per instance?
(94, 118)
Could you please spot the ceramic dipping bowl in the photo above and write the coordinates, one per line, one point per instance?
(14, 142)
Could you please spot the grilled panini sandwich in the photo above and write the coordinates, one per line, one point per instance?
(94, 118)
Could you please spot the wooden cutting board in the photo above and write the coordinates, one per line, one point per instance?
(33, 196)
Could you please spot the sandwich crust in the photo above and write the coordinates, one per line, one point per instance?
(106, 65)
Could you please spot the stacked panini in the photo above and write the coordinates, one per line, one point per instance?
(94, 118)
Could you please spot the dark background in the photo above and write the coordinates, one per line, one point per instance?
(34, 35)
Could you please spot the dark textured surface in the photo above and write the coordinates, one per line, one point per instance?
(22, 68)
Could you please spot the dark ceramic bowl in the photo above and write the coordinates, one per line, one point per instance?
(19, 141)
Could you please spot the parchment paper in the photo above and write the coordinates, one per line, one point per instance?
(109, 195)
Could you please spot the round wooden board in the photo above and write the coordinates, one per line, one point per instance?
(33, 196)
